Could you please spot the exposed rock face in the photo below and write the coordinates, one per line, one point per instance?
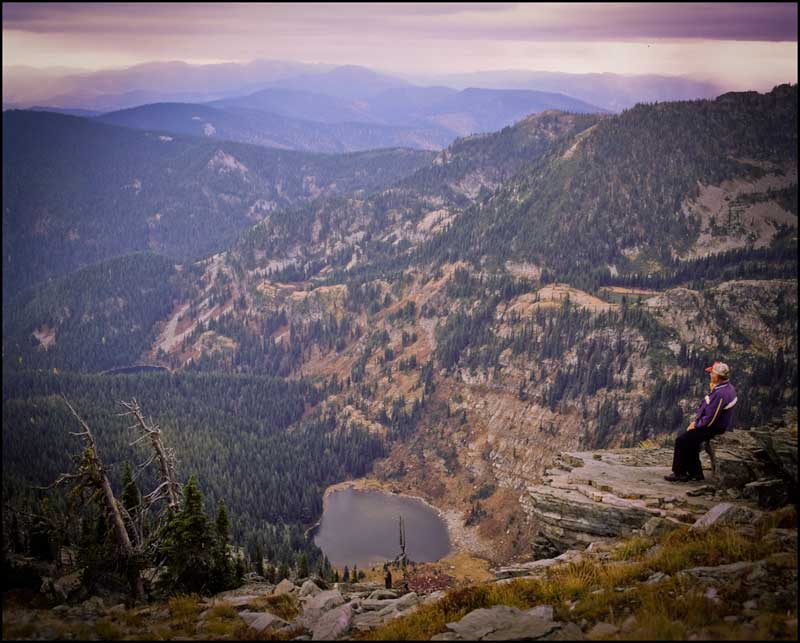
(725, 513)
(319, 604)
(333, 624)
(261, 622)
(503, 623)
(309, 588)
(284, 587)
(589, 496)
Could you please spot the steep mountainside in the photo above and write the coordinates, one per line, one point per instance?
(479, 373)
(633, 192)
(100, 317)
(76, 191)
(529, 292)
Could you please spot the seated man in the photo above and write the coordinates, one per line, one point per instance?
(714, 416)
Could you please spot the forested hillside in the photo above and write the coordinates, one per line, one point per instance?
(283, 131)
(620, 195)
(556, 285)
(377, 232)
(229, 431)
(76, 191)
(100, 317)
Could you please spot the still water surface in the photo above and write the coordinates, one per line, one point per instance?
(361, 527)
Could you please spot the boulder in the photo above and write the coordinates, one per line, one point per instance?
(602, 630)
(397, 604)
(726, 513)
(237, 602)
(382, 594)
(507, 624)
(724, 574)
(333, 624)
(629, 624)
(66, 586)
(264, 621)
(309, 588)
(317, 605)
(779, 441)
(533, 568)
(768, 494)
(658, 527)
(284, 587)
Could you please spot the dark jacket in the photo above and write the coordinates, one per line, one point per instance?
(716, 409)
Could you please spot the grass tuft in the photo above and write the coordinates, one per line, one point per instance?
(285, 606)
(632, 548)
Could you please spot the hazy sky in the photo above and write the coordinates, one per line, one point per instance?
(741, 45)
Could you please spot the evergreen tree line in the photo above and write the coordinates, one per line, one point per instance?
(229, 431)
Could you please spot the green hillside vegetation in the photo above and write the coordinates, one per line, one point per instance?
(257, 127)
(623, 186)
(77, 191)
(471, 168)
(229, 431)
(100, 317)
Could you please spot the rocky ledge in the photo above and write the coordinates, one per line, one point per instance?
(589, 496)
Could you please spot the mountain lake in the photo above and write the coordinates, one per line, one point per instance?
(361, 527)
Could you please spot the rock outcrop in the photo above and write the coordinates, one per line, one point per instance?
(503, 623)
(589, 496)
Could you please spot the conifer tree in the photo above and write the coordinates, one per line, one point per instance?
(283, 572)
(223, 571)
(259, 566)
(302, 565)
(187, 545)
(131, 498)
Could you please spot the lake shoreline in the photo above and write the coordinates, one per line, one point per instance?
(383, 489)
(369, 484)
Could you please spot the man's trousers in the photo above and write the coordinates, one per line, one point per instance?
(686, 459)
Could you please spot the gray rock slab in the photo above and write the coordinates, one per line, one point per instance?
(501, 623)
(725, 513)
(284, 587)
(333, 624)
(542, 611)
(266, 621)
(602, 630)
(317, 605)
(309, 588)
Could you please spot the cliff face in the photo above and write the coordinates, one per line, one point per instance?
(589, 496)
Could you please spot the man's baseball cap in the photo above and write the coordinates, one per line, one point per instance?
(720, 368)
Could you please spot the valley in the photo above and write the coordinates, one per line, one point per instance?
(440, 325)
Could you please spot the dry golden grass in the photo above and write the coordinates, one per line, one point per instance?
(632, 549)
(285, 606)
(184, 608)
(587, 589)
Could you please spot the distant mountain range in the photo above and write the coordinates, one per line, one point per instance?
(614, 92)
(420, 118)
(180, 82)
(258, 127)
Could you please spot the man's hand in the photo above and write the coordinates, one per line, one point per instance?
(690, 427)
